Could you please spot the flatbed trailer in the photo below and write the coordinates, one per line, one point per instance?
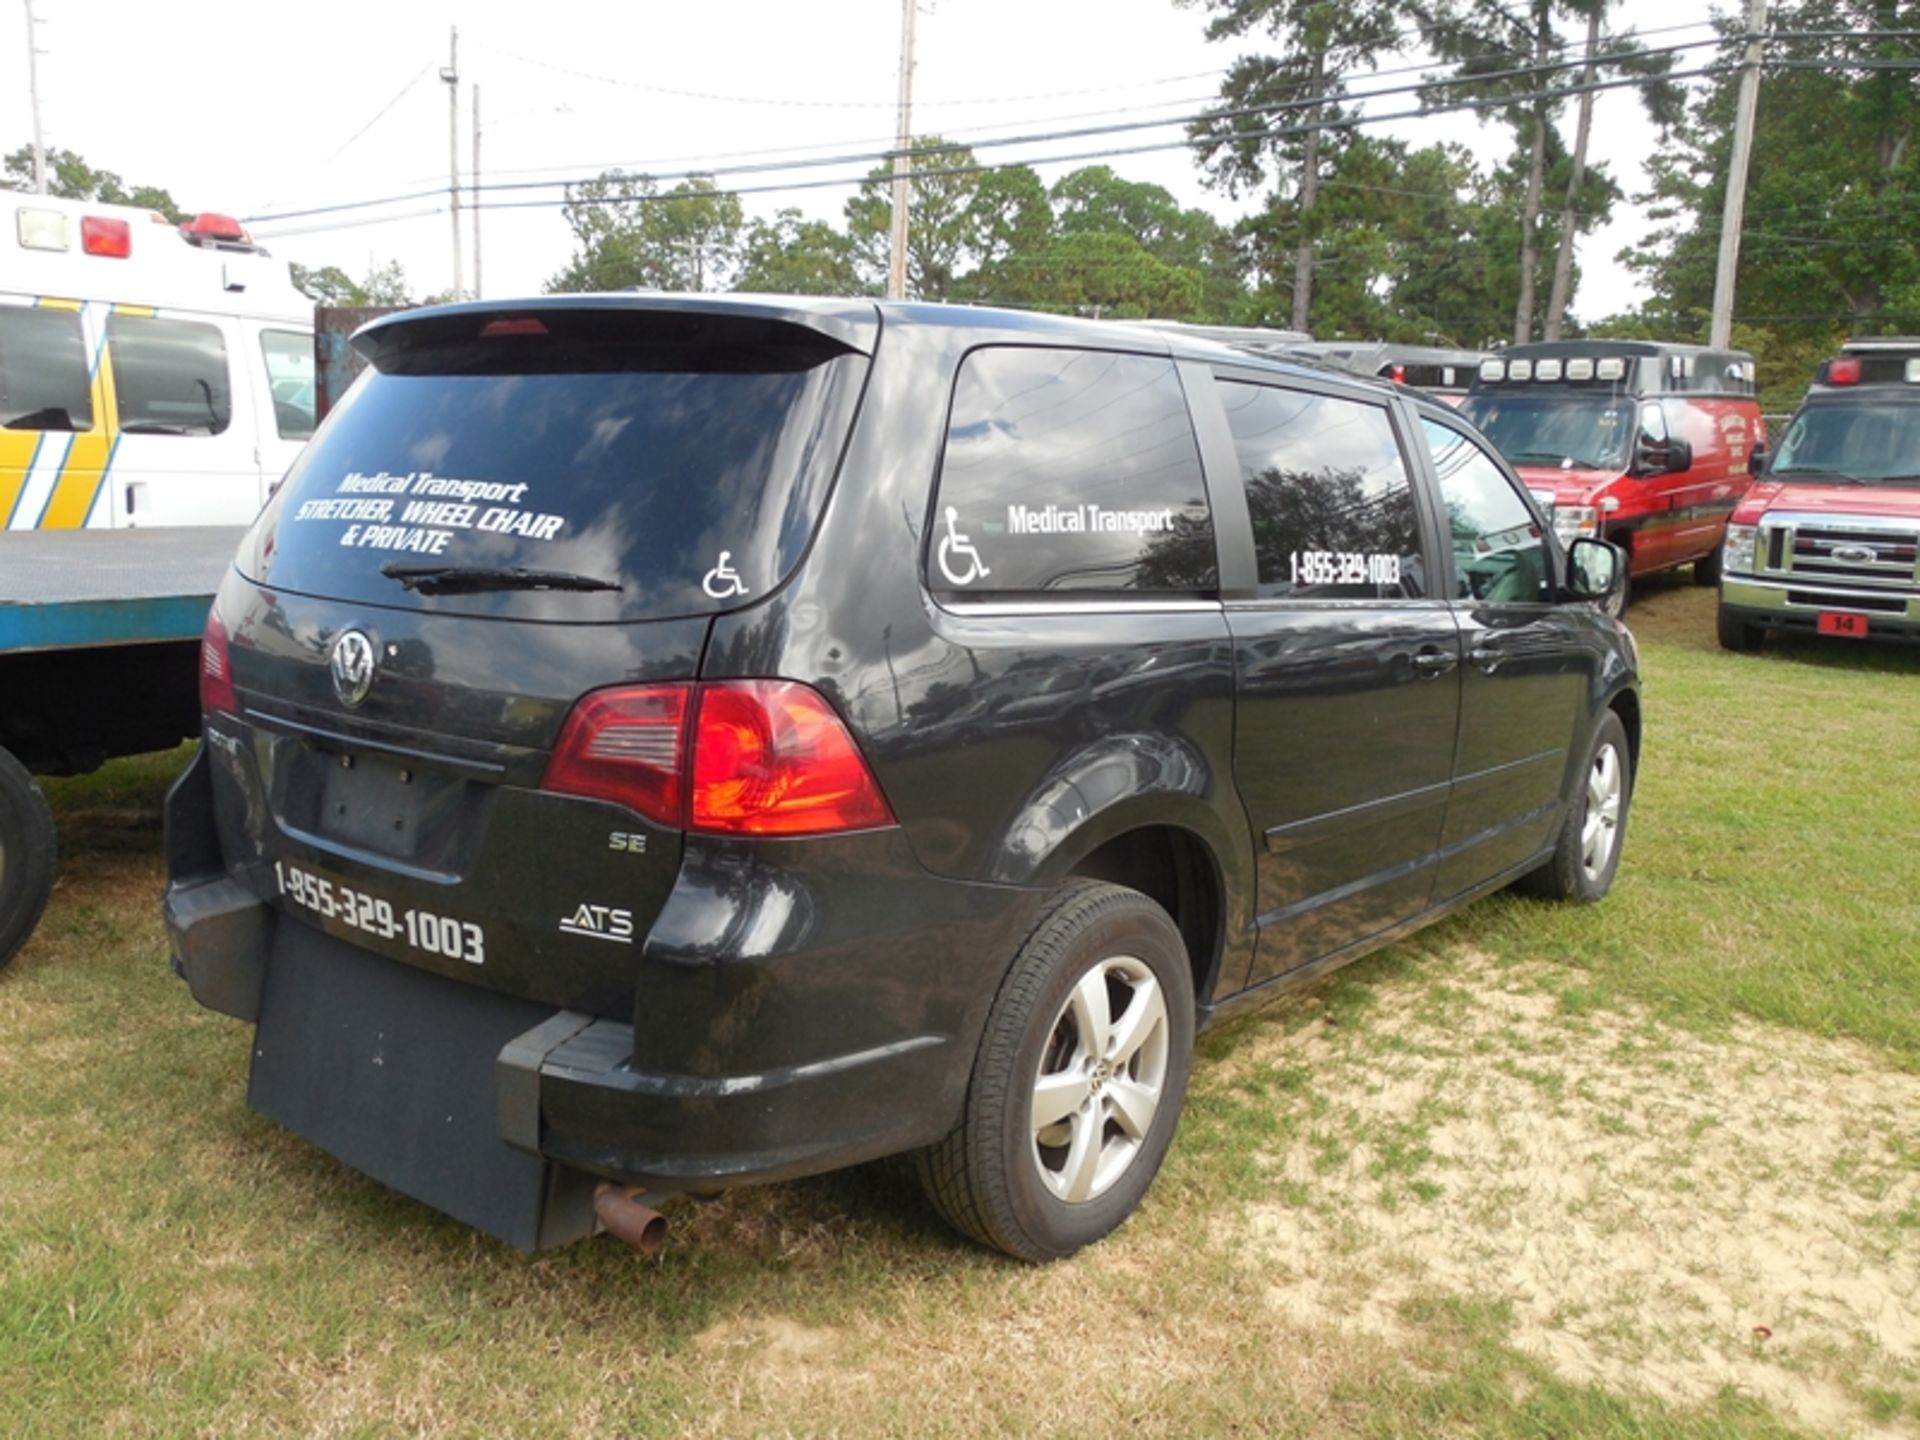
(99, 657)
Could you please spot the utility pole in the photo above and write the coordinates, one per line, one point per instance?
(1734, 213)
(452, 77)
(897, 248)
(476, 192)
(33, 99)
(1569, 217)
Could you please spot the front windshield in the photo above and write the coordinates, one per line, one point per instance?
(1863, 442)
(1590, 431)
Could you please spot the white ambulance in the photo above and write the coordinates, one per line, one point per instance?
(150, 373)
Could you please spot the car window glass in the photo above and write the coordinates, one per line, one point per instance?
(1070, 470)
(289, 357)
(1499, 552)
(43, 370)
(688, 476)
(1329, 494)
(1653, 422)
(169, 376)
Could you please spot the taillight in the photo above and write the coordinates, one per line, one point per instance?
(770, 757)
(765, 757)
(216, 671)
(627, 746)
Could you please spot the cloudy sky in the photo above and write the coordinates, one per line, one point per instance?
(263, 109)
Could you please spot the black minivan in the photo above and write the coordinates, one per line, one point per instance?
(660, 743)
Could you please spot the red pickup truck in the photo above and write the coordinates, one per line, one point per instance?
(1647, 445)
(1828, 542)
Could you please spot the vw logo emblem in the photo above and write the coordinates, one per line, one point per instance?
(1855, 554)
(352, 665)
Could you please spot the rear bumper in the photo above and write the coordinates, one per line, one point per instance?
(799, 1006)
(1796, 606)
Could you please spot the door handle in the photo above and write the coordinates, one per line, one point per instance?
(1434, 662)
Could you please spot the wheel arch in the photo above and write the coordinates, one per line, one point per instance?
(1626, 704)
(1178, 870)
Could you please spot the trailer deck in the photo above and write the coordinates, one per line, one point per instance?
(74, 589)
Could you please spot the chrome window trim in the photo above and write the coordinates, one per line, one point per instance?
(996, 608)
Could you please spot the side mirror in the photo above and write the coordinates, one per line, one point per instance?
(1595, 569)
(1757, 459)
(1679, 456)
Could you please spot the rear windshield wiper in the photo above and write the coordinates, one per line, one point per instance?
(466, 579)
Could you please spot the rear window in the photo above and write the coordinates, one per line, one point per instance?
(169, 376)
(674, 475)
(43, 370)
(1070, 470)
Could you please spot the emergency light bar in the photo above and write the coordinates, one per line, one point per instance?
(1869, 369)
(1551, 368)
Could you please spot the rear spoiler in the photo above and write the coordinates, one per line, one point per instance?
(699, 320)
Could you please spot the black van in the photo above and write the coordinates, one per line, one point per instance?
(661, 743)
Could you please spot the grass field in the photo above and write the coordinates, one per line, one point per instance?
(1650, 1168)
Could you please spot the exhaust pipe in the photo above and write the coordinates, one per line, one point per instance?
(628, 1221)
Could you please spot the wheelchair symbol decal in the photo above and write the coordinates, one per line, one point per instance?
(721, 582)
(956, 546)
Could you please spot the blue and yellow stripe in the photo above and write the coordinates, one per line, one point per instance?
(74, 500)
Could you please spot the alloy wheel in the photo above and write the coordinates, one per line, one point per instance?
(1600, 825)
(1100, 1079)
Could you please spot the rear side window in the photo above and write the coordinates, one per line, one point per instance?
(632, 464)
(169, 376)
(1070, 470)
(289, 357)
(1329, 495)
(43, 370)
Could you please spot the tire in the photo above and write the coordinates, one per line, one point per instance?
(1585, 857)
(26, 856)
(1706, 570)
(1042, 1194)
(1736, 635)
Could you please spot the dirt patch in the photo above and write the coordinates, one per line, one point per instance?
(772, 1342)
(1657, 1211)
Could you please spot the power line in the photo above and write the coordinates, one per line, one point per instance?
(962, 132)
(918, 153)
(1185, 143)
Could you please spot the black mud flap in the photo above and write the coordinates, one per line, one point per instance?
(391, 1070)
